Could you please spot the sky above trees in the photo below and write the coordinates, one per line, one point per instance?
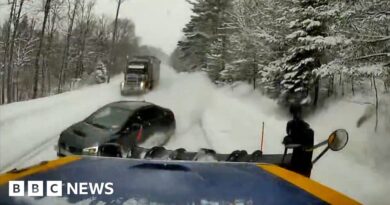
(158, 23)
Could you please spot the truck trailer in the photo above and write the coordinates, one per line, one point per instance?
(142, 73)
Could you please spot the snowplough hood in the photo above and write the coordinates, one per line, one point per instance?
(134, 181)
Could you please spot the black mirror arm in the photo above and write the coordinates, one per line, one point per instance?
(320, 155)
(317, 146)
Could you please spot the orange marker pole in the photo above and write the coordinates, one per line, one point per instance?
(262, 138)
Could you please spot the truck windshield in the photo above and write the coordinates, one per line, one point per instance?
(136, 68)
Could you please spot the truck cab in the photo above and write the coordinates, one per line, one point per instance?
(142, 73)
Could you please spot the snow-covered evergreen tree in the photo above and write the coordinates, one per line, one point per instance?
(309, 40)
(205, 43)
(299, 50)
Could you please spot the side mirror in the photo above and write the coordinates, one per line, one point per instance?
(338, 140)
(110, 150)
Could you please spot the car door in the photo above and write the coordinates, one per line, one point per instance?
(150, 120)
(127, 136)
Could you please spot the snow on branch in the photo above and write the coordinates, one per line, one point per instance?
(327, 41)
(24, 51)
(372, 56)
(310, 24)
(369, 70)
(199, 34)
(386, 38)
(296, 34)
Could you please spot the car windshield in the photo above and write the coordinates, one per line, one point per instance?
(109, 117)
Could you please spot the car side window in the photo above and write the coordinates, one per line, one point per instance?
(150, 114)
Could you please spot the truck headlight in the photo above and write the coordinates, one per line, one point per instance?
(122, 85)
(91, 150)
(142, 85)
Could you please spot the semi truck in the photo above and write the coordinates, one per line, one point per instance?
(142, 73)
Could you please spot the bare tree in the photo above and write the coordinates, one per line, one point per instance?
(113, 59)
(65, 63)
(23, 57)
(11, 54)
(38, 56)
(376, 104)
(6, 49)
(65, 31)
(55, 10)
(85, 29)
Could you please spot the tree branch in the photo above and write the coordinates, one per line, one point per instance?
(371, 56)
(386, 38)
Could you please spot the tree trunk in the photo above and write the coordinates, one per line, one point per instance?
(38, 56)
(254, 79)
(1, 90)
(341, 75)
(316, 91)
(332, 84)
(48, 50)
(329, 85)
(352, 86)
(17, 86)
(254, 70)
(46, 54)
(113, 58)
(65, 64)
(6, 52)
(223, 60)
(43, 78)
(3, 86)
(342, 89)
(371, 83)
(10, 94)
(83, 44)
(376, 103)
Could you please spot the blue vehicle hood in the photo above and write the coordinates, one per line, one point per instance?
(176, 182)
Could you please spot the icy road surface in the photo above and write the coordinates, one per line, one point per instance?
(224, 119)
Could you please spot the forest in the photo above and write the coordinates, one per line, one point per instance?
(304, 51)
(52, 46)
(296, 51)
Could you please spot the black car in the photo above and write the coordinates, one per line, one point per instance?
(127, 123)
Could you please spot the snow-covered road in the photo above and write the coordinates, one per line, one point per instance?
(224, 119)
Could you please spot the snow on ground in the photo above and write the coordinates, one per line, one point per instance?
(224, 119)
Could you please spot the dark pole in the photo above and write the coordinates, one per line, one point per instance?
(114, 40)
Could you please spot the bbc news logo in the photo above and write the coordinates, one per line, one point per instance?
(58, 188)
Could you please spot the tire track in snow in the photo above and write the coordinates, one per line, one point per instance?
(30, 154)
(35, 106)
